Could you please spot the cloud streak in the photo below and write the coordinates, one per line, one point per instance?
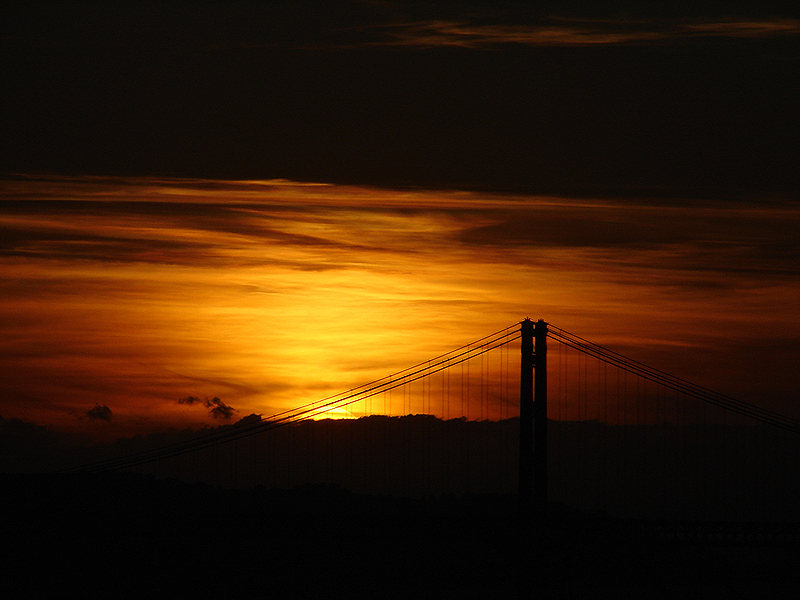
(558, 31)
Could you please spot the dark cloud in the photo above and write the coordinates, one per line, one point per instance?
(739, 237)
(217, 408)
(220, 410)
(190, 400)
(100, 413)
(578, 227)
(54, 244)
(114, 230)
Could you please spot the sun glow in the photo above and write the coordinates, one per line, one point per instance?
(270, 294)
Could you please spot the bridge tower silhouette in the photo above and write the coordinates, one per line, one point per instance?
(533, 416)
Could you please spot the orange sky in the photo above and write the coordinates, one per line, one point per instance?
(135, 293)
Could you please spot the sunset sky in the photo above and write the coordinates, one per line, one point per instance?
(268, 204)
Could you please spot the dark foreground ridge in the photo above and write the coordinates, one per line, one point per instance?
(127, 535)
(653, 471)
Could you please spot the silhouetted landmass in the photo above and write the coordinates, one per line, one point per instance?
(698, 472)
(670, 471)
(127, 535)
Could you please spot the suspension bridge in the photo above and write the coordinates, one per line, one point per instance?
(530, 409)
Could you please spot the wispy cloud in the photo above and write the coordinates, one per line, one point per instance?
(556, 31)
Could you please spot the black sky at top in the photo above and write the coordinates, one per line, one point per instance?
(310, 91)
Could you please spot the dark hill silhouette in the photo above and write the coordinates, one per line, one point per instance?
(643, 471)
(126, 535)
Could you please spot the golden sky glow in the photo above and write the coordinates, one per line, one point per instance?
(134, 293)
